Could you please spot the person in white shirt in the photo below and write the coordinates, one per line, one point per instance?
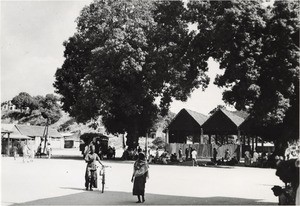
(255, 158)
(194, 157)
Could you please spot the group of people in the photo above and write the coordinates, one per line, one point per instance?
(288, 171)
(110, 152)
(48, 150)
(227, 159)
(256, 159)
(132, 153)
(139, 176)
(29, 152)
(265, 159)
(165, 157)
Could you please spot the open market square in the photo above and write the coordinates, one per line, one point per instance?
(60, 181)
(138, 102)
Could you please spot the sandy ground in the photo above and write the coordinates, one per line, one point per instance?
(60, 181)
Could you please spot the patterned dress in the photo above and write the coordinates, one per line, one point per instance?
(140, 174)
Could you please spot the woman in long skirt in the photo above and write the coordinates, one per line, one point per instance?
(91, 168)
(139, 177)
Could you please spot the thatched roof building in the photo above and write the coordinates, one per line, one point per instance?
(224, 122)
(186, 123)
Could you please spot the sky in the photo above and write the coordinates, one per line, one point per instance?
(32, 36)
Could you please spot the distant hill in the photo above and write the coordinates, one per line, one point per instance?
(35, 118)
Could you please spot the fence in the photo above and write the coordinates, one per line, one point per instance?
(204, 150)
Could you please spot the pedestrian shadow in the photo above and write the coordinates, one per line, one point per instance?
(126, 198)
(73, 188)
(67, 157)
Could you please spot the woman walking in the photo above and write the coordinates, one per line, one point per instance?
(91, 168)
(140, 174)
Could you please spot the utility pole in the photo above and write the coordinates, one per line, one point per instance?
(45, 135)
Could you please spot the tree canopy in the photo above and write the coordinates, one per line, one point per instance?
(123, 57)
(23, 101)
(44, 106)
(258, 47)
(126, 55)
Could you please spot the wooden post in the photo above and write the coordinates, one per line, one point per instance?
(146, 146)
(201, 136)
(239, 137)
(209, 139)
(167, 136)
(8, 134)
(123, 138)
(255, 142)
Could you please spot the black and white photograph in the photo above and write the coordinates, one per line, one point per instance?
(150, 102)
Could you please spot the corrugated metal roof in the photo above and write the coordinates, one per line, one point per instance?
(237, 117)
(37, 131)
(7, 127)
(16, 136)
(14, 132)
(200, 118)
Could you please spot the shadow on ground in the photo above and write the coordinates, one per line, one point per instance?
(67, 157)
(125, 198)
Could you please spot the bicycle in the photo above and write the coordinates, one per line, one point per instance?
(102, 173)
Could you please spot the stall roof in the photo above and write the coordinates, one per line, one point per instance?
(7, 128)
(237, 117)
(37, 131)
(200, 118)
(187, 120)
(224, 122)
(14, 132)
(16, 136)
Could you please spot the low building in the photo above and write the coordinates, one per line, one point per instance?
(11, 136)
(71, 140)
(7, 105)
(38, 132)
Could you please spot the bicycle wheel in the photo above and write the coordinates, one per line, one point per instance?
(103, 182)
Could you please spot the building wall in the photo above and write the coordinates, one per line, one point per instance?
(8, 106)
(56, 143)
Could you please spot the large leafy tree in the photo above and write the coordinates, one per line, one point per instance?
(50, 108)
(46, 107)
(123, 57)
(23, 101)
(258, 47)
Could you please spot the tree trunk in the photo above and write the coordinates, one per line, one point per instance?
(280, 147)
(133, 136)
(132, 140)
(123, 138)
